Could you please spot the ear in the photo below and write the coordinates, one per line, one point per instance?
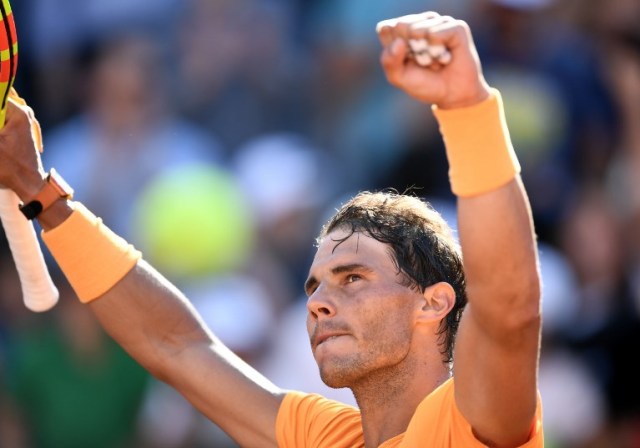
(438, 300)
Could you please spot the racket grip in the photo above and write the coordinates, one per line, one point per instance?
(38, 291)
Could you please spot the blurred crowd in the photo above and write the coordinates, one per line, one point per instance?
(240, 125)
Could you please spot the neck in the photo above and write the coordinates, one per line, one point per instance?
(388, 398)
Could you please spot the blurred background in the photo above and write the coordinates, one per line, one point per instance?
(218, 135)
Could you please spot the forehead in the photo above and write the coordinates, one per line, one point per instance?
(358, 247)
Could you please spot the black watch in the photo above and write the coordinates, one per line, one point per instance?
(54, 188)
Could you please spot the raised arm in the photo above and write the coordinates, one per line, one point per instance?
(138, 307)
(497, 348)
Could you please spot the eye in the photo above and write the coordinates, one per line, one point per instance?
(351, 278)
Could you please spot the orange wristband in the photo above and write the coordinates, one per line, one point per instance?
(479, 150)
(91, 256)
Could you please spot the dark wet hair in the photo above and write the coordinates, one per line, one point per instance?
(422, 245)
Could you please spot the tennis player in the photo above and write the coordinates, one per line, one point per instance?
(439, 343)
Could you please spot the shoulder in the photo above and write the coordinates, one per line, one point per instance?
(311, 420)
(438, 422)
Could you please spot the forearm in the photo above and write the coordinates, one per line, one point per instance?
(152, 321)
(142, 311)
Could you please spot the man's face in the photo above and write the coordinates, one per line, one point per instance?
(360, 316)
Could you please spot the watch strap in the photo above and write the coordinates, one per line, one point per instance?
(49, 194)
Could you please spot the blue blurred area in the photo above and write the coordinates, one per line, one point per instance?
(288, 100)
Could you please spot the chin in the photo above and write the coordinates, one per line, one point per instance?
(339, 374)
(335, 382)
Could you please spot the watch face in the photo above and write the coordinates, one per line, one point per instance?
(60, 184)
(31, 210)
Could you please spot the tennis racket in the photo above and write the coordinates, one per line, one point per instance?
(38, 291)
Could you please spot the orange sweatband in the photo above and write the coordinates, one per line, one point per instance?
(91, 256)
(479, 150)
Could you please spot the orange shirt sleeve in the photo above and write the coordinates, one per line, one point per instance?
(310, 420)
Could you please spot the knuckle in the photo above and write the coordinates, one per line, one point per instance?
(463, 24)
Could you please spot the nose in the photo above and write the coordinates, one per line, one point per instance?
(319, 305)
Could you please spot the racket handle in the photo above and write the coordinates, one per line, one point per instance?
(38, 291)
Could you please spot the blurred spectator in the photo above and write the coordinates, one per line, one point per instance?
(564, 376)
(355, 115)
(53, 32)
(72, 386)
(422, 164)
(12, 431)
(288, 182)
(618, 35)
(239, 83)
(574, 406)
(560, 115)
(607, 325)
(126, 132)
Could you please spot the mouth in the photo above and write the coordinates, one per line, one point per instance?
(322, 338)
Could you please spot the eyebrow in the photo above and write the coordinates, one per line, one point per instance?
(312, 282)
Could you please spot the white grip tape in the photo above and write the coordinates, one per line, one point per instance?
(38, 291)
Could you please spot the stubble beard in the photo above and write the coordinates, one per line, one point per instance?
(381, 363)
(370, 384)
(341, 373)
